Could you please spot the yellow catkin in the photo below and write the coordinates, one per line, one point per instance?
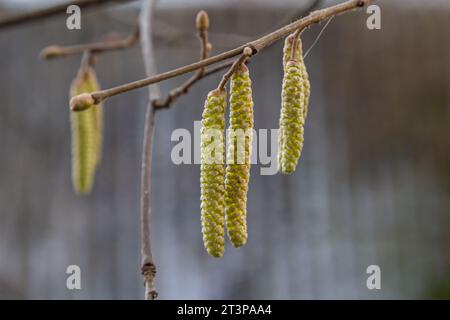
(212, 173)
(86, 128)
(93, 85)
(287, 49)
(238, 157)
(295, 99)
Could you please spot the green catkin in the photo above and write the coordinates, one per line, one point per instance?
(86, 134)
(287, 49)
(294, 105)
(212, 173)
(239, 154)
(91, 86)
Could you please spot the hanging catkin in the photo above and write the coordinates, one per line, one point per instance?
(86, 133)
(294, 104)
(238, 157)
(287, 49)
(213, 173)
(93, 85)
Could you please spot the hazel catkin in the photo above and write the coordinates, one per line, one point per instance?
(86, 129)
(212, 173)
(287, 50)
(295, 99)
(93, 85)
(238, 157)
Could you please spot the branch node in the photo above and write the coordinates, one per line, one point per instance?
(149, 273)
(361, 3)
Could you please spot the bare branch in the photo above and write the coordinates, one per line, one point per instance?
(256, 45)
(55, 51)
(148, 266)
(202, 24)
(236, 64)
(51, 11)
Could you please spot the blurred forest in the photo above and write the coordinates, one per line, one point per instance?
(372, 187)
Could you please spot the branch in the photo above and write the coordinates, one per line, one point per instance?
(51, 11)
(202, 24)
(236, 64)
(256, 46)
(148, 267)
(184, 88)
(95, 47)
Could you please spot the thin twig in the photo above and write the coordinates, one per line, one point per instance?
(256, 45)
(148, 266)
(87, 61)
(184, 89)
(95, 47)
(296, 41)
(202, 24)
(220, 67)
(51, 11)
(236, 64)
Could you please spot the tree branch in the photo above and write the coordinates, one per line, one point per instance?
(202, 24)
(236, 64)
(55, 51)
(148, 266)
(256, 45)
(51, 11)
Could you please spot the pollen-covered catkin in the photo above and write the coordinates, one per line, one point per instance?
(238, 158)
(86, 134)
(212, 176)
(292, 119)
(294, 104)
(287, 50)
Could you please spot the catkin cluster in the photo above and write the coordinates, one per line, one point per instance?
(224, 191)
(238, 157)
(213, 173)
(87, 127)
(294, 106)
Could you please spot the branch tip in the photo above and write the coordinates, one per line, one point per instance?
(52, 52)
(202, 21)
(81, 102)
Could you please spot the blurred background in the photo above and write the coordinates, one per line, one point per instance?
(372, 187)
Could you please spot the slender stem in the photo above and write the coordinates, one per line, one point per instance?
(148, 266)
(184, 89)
(104, 94)
(236, 64)
(220, 67)
(95, 47)
(296, 41)
(202, 23)
(51, 11)
(256, 45)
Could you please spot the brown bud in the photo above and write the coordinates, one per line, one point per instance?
(202, 21)
(81, 102)
(247, 51)
(209, 47)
